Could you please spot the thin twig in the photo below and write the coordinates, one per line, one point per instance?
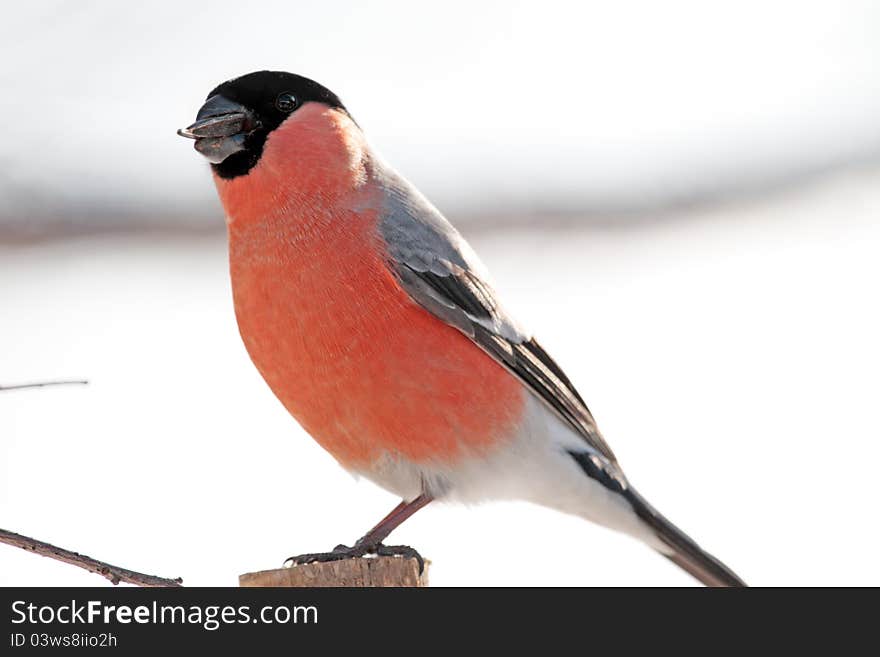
(43, 384)
(114, 573)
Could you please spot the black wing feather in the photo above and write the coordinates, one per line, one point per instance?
(526, 359)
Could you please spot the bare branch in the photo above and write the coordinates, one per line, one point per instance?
(43, 384)
(114, 573)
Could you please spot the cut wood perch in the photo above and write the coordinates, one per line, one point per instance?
(359, 572)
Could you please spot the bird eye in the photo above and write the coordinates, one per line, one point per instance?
(285, 102)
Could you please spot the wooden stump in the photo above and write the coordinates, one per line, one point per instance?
(361, 572)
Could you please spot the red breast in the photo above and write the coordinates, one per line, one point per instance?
(363, 368)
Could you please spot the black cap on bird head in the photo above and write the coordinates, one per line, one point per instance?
(238, 115)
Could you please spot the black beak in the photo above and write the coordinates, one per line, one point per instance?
(220, 129)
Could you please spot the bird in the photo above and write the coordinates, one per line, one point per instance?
(379, 329)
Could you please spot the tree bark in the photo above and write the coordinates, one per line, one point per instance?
(361, 572)
(113, 573)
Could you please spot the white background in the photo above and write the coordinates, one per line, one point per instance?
(490, 107)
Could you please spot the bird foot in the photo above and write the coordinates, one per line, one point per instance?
(357, 551)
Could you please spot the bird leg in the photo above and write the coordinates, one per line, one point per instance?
(371, 542)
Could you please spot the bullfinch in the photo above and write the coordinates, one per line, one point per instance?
(377, 327)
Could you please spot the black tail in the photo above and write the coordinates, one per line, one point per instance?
(686, 554)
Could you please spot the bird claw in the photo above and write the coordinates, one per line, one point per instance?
(338, 553)
(357, 551)
(404, 551)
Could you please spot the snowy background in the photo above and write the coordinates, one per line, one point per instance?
(681, 200)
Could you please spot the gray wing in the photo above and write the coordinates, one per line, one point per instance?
(442, 274)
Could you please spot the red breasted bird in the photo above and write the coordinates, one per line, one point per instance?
(375, 324)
